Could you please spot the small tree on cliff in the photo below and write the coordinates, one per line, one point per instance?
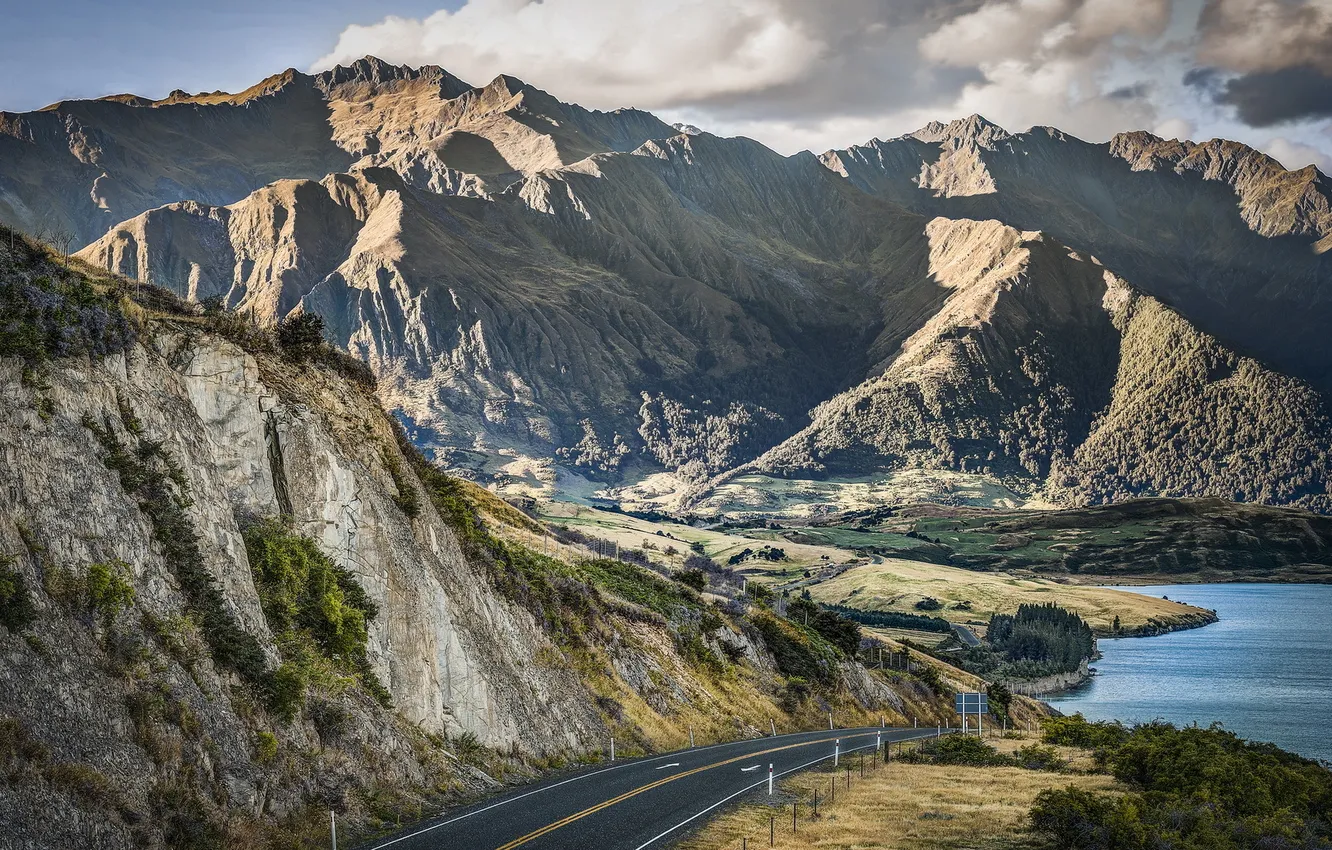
(301, 336)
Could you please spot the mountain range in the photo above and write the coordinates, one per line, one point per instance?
(624, 301)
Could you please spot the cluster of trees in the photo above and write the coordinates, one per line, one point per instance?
(1039, 640)
(1045, 633)
(841, 632)
(892, 619)
(1193, 418)
(765, 553)
(1192, 789)
(700, 443)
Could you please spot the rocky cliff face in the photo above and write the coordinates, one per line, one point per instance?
(190, 517)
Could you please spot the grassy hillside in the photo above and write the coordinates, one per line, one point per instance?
(840, 565)
(1144, 540)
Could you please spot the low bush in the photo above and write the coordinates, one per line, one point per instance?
(1037, 757)
(696, 579)
(304, 595)
(16, 609)
(1192, 789)
(957, 750)
(59, 314)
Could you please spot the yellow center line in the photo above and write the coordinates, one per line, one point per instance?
(551, 827)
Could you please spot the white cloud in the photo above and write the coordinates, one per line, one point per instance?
(1294, 155)
(795, 74)
(602, 53)
(1174, 128)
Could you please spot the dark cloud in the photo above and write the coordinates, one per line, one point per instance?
(1206, 79)
(1265, 98)
(1133, 92)
(1253, 36)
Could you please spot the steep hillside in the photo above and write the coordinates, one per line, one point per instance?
(233, 597)
(1217, 230)
(1048, 372)
(702, 272)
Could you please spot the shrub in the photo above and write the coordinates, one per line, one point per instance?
(59, 315)
(692, 578)
(928, 603)
(407, 499)
(1037, 757)
(16, 609)
(1077, 731)
(958, 750)
(799, 653)
(301, 336)
(265, 747)
(109, 591)
(304, 594)
(1194, 789)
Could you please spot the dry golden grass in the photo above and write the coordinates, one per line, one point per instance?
(886, 584)
(896, 585)
(899, 806)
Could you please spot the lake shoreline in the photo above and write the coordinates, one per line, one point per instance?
(1255, 670)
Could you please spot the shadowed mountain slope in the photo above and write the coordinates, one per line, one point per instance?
(1217, 230)
(1050, 372)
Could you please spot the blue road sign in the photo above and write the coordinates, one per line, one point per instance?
(972, 703)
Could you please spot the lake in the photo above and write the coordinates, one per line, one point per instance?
(1264, 671)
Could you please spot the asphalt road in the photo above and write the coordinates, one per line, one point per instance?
(966, 635)
(633, 805)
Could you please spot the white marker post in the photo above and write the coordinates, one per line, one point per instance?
(333, 822)
(773, 724)
(837, 751)
(769, 780)
(878, 741)
(612, 748)
(691, 736)
(830, 726)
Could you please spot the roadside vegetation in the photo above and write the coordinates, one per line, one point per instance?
(1083, 786)
(1190, 788)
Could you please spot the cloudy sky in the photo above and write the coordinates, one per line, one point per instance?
(791, 73)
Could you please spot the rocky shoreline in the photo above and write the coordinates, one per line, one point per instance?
(1154, 627)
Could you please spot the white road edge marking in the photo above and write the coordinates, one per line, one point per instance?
(758, 784)
(664, 766)
(751, 767)
(435, 826)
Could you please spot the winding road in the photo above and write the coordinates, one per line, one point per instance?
(634, 805)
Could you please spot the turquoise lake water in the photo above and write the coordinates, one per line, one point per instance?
(1264, 671)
